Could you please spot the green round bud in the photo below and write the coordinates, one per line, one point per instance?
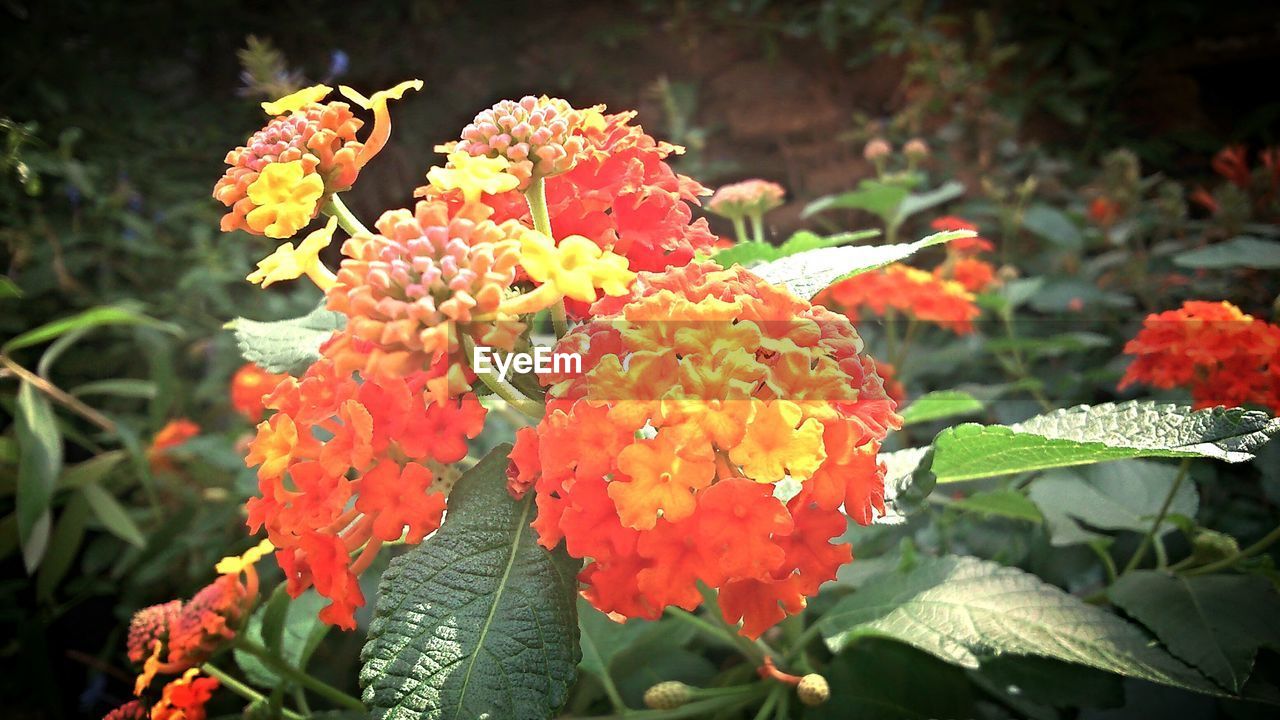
(813, 689)
(667, 695)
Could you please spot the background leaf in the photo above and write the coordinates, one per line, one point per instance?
(961, 609)
(478, 620)
(113, 515)
(1200, 618)
(1091, 434)
(286, 346)
(940, 404)
(39, 463)
(807, 273)
(1053, 225)
(1238, 252)
(95, 317)
(1124, 495)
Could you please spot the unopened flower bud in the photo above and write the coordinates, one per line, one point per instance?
(916, 149)
(813, 689)
(877, 149)
(668, 695)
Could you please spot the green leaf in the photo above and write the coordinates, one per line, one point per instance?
(919, 202)
(1052, 225)
(1238, 252)
(882, 680)
(873, 196)
(92, 470)
(960, 609)
(1124, 495)
(121, 387)
(1215, 622)
(39, 463)
(807, 273)
(1052, 682)
(1051, 346)
(940, 404)
(1006, 502)
(288, 346)
(9, 289)
(478, 620)
(96, 317)
(603, 639)
(113, 515)
(64, 544)
(1085, 434)
(749, 253)
(295, 626)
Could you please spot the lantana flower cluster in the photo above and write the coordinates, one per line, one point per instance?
(722, 426)
(619, 193)
(717, 409)
(176, 638)
(281, 177)
(944, 297)
(1224, 356)
(345, 466)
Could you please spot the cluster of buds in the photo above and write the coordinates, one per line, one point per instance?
(747, 200)
(878, 151)
(284, 173)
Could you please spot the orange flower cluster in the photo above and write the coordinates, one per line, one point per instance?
(427, 275)
(749, 197)
(284, 173)
(915, 293)
(1225, 356)
(962, 264)
(721, 428)
(385, 441)
(249, 385)
(174, 433)
(622, 195)
(321, 136)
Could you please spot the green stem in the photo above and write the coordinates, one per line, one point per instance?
(1107, 562)
(1266, 542)
(536, 196)
(775, 695)
(503, 389)
(1141, 552)
(346, 219)
(1020, 366)
(697, 708)
(719, 632)
(293, 674)
(244, 691)
(739, 230)
(757, 227)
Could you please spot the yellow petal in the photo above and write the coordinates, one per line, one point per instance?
(392, 93)
(298, 100)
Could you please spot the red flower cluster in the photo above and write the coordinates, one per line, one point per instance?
(249, 385)
(385, 441)
(623, 196)
(744, 420)
(965, 245)
(1225, 356)
(915, 293)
